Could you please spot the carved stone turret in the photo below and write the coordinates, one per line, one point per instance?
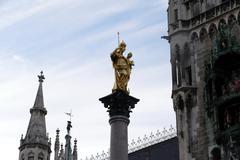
(68, 148)
(75, 154)
(57, 145)
(36, 142)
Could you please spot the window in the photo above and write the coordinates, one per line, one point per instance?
(175, 15)
(178, 74)
(30, 155)
(40, 156)
(30, 158)
(189, 75)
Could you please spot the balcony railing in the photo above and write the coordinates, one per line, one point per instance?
(205, 16)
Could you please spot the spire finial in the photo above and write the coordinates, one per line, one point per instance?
(75, 154)
(41, 77)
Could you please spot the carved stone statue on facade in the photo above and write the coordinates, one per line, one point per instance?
(122, 67)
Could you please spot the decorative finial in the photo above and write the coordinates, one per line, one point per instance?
(57, 131)
(41, 77)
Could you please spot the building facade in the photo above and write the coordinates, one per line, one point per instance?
(205, 57)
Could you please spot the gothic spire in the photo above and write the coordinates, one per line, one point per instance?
(36, 135)
(39, 98)
(68, 148)
(61, 154)
(57, 145)
(75, 154)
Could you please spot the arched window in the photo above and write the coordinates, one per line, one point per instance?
(194, 36)
(30, 155)
(180, 116)
(41, 156)
(203, 34)
(212, 31)
(187, 72)
(180, 103)
(231, 19)
(221, 22)
(186, 49)
(178, 66)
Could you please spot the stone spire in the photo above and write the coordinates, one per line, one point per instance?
(61, 154)
(68, 148)
(36, 138)
(39, 98)
(57, 145)
(75, 154)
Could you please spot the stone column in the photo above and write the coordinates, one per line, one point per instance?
(119, 105)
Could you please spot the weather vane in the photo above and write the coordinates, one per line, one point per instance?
(41, 77)
(70, 115)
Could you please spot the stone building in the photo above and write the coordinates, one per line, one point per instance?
(36, 145)
(205, 58)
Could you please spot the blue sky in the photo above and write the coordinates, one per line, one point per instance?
(71, 40)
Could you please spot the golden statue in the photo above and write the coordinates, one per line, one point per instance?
(122, 67)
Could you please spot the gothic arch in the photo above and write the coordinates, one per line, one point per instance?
(194, 36)
(231, 19)
(221, 22)
(178, 65)
(31, 155)
(203, 34)
(40, 156)
(179, 102)
(212, 31)
(177, 49)
(186, 50)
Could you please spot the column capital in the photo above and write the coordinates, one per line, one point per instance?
(119, 103)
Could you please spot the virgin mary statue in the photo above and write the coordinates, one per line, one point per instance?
(122, 67)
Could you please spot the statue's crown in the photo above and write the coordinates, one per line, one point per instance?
(122, 44)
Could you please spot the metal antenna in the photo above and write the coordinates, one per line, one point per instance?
(118, 38)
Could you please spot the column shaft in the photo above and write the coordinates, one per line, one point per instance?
(119, 138)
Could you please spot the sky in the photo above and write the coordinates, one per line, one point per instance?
(71, 41)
